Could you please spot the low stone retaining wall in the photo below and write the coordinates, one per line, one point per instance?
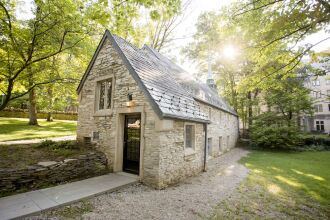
(48, 173)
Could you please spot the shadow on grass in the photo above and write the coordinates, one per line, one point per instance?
(18, 129)
(303, 172)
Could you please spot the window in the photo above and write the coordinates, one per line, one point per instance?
(210, 113)
(317, 94)
(220, 144)
(328, 92)
(316, 82)
(329, 107)
(96, 135)
(104, 90)
(319, 125)
(318, 108)
(209, 146)
(190, 136)
(220, 116)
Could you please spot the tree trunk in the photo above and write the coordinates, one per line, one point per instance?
(32, 101)
(250, 113)
(50, 103)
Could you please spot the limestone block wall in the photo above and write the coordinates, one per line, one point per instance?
(164, 159)
(223, 130)
(176, 163)
(109, 64)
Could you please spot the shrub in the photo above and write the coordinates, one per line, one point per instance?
(272, 131)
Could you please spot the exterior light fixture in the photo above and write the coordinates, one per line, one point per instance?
(130, 102)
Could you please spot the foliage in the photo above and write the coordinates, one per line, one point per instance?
(16, 129)
(51, 50)
(281, 185)
(264, 71)
(270, 130)
(289, 97)
(53, 145)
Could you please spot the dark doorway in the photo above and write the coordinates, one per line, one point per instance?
(132, 134)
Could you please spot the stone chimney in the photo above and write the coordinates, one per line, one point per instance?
(210, 81)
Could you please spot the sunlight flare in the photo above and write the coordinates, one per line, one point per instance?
(230, 52)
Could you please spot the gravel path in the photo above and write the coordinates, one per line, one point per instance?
(34, 141)
(191, 199)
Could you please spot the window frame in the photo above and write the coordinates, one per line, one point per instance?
(220, 144)
(319, 125)
(209, 146)
(98, 82)
(192, 148)
(318, 108)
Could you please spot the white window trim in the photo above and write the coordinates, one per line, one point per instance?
(189, 151)
(103, 112)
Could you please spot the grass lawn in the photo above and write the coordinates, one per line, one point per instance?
(281, 185)
(17, 129)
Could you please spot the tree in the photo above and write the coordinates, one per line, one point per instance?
(289, 22)
(279, 127)
(57, 27)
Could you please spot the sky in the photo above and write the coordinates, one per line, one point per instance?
(186, 29)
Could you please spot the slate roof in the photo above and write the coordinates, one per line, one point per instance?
(171, 90)
(199, 90)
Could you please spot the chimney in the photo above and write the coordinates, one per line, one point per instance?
(210, 81)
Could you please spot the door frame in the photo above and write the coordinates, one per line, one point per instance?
(119, 140)
(125, 140)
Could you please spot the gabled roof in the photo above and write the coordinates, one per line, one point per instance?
(172, 93)
(199, 90)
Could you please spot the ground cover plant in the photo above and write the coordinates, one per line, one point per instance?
(20, 156)
(17, 129)
(281, 185)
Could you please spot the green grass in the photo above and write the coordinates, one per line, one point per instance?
(303, 172)
(17, 129)
(281, 185)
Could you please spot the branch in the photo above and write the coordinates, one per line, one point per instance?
(70, 80)
(299, 57)
(255, 8)
(10, 27)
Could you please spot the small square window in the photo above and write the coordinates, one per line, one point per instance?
(318, 108)
(319, 125)
(316, 82)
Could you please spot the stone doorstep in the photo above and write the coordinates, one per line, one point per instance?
(36, 201)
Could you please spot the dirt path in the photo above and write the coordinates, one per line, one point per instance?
(194, 198)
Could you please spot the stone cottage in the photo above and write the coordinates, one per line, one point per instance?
(149, 116)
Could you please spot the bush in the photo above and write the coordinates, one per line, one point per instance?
(271, 131)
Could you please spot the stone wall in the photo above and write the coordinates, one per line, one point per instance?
(176, 163)
(52, 172)
(108, 64)
(164, 160)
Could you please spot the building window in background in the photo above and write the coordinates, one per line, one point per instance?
(318, 108)
(319, 125)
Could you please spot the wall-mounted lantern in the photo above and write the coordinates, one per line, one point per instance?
(130, 102)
